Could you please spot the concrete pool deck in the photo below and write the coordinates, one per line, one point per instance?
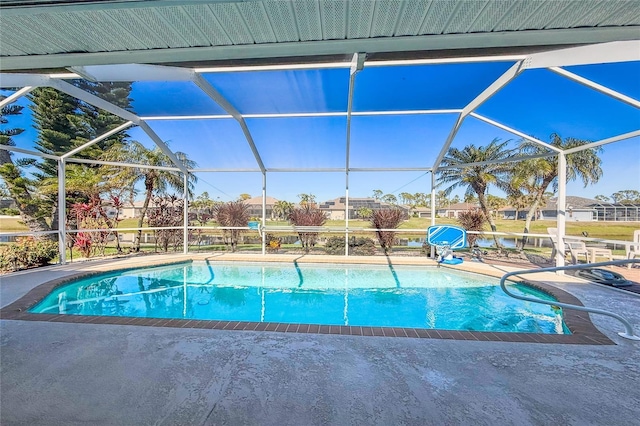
(64, 373)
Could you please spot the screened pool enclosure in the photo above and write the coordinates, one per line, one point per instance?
(351, 125)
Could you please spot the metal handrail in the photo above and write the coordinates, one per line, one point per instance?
(627, 334)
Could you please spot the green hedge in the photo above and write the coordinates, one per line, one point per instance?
(27, 253)
(357, 246)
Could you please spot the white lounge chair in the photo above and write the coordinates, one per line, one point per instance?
(573, 247)
(633, 249)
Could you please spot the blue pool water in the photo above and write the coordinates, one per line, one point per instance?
(378, 296)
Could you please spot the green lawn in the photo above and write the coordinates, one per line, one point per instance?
(622, 231)
(11, 225)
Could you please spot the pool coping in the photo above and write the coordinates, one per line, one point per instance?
(583, 331)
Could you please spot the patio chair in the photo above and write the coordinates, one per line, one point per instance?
(573, 247)
(633, 249)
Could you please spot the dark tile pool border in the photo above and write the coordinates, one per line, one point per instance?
(582, 329)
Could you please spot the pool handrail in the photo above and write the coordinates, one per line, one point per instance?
(627, 334)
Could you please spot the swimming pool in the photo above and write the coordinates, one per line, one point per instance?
(355, 295)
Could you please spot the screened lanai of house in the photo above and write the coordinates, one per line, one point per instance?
(372, 92)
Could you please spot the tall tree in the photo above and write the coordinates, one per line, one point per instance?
(496, 203)
(477, 179)
(442, 199)
(406, 198)
(421, 199)
(389, 199)
(307, 199)
(627, 196)
(64, 123)
(282, 209)
(536, 175)
(20, 188)
(154, 180)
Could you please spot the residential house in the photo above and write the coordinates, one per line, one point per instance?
(579, 209)
(335, 208)
(255, 206)
(453, 210)
(132, 210)
(421, 211)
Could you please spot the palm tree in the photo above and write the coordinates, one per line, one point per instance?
(535, 175)
(154, 180)
(406, 198)
(365, 212)
(477, 179)
(282, 209)
(307, 199)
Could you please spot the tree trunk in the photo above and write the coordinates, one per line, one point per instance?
(143, 213)
(485, 208)
(527, 224)
(29, 209)
(537, 201)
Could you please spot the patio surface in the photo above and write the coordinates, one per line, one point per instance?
(102, 374)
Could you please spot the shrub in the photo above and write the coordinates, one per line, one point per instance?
(472, 220)
(272, 243)
(387, 219)
(232, 214)
(167, 212)
(357, 246)
(9, 211)
(307, 215)
(27, 253)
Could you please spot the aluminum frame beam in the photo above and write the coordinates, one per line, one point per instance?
(357, 64)
(22, 80)
(598, 87)
(17, 95)
(633, 134)
(615, 51)
(498, 84)
(62, 211)
(304, 114)
(514, 131)
(506, 160)
(29, 152)
(561, 209)
(98, 139)
(207, 88)
(163, 146)
(87, 97)
(117, 164)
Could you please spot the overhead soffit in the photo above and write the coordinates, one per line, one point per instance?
(48, 34)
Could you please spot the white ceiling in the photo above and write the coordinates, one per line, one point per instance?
(53, 34)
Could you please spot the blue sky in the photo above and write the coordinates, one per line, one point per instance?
(538, 103)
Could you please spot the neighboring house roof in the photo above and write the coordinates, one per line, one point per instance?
(258, 201)
(135, 204)
(460, 206)
(573, 202)
(355, 203)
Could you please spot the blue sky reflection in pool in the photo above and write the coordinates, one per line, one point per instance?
(378, 296)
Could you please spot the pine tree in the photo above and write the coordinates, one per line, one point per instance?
(20, 188)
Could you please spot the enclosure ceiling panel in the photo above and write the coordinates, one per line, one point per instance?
(47, 34)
